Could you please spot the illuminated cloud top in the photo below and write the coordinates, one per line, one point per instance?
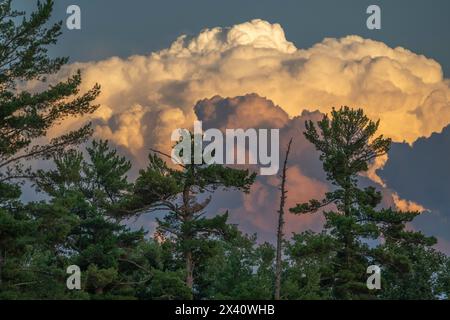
(145, 97)
(405, 90)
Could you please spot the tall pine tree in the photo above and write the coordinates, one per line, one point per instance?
(183, 196)
(347, 143)
(25, 117)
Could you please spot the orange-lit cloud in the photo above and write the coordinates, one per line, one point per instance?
(406, 205)
(258, 211)
(305, 178)
(405, 90)
(144, 98)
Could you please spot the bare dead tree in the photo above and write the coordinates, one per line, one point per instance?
(283, 192)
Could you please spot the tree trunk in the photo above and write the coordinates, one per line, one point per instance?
(187, 217)
(1, 265)
(278, 266)
(347, 212)
(189, 270)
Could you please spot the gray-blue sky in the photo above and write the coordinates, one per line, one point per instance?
(425, 179)
(123, 28)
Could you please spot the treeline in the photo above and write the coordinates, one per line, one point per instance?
(194, 253)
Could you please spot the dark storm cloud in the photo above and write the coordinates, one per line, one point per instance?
(422, 172)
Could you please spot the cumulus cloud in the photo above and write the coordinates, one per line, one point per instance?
(405, 90)
(145, 97)
(128, 127)
(257, 211)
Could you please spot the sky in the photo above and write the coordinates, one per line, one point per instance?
(255, 64)
(118, 28)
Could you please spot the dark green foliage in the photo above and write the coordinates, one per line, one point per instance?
(239, 269)
(347, 145)
(24, 116)
(194, 253)
(25, 119)
(84, 192)
(310, 272)
(183, 196)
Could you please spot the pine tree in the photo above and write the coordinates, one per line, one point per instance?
(25, 117)
(411, 267)
(87, 193)
(239, 269)
(347, 144)
(184, 195)
(309, 273)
